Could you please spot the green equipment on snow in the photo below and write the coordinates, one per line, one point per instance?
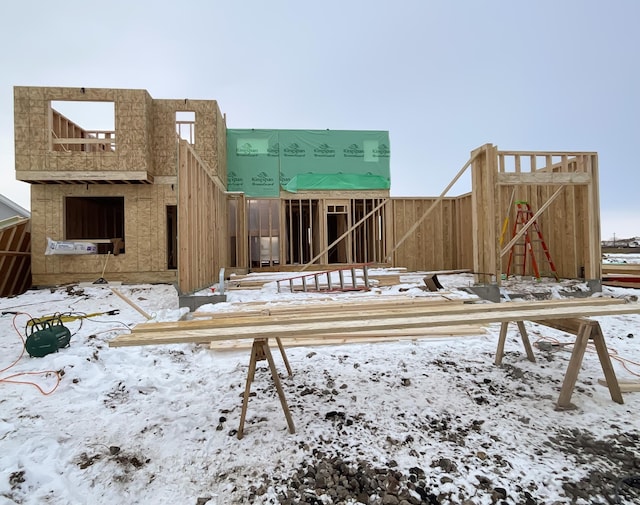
(46, 337)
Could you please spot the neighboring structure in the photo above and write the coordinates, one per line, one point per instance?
(9, 208)
(170, 195)
(15, 248)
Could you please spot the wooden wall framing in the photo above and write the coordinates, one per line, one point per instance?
(147, 165)
(443, 241)
(202, 222)
(562, 184)
(15, 257)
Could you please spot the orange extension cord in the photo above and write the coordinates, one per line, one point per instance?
(10, 378)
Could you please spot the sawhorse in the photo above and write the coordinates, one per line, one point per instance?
(260, 351)
(584, 330)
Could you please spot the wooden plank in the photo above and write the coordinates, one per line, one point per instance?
(605, 362)
(626, 268)
(622, 283)
(545, 153)
(358, 338)
(544, 178)
(398, 311)
(593, 254)
(327, 305)
(84, 140)
(129, 302)
(626, 386)
(83, 175)
(300, 329)
(569, 382)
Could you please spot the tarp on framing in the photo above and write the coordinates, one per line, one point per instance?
(260, 162)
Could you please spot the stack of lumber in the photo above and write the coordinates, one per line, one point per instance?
(338, 320)
(625, 275)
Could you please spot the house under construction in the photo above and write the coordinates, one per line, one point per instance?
(169, 194)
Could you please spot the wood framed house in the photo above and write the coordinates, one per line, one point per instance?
(169, 194)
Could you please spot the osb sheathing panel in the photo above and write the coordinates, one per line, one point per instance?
(209, 134)
(33, 130)
(439, 242)
(145, 256)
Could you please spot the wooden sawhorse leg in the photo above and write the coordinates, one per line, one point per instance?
(259, 351)
(588, 330)
(503, 337)
(284, 356)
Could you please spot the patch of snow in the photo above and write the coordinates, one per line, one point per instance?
(156, 424)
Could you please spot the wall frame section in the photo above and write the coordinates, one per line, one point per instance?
(203, 236)
(442, 241)
(562, 191)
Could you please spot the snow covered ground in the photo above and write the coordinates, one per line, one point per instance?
(404, 422)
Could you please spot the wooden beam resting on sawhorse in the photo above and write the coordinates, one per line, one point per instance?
(260, 351)
(584, 330)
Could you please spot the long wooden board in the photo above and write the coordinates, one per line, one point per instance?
(621, 268)
(626, 386)
(364, 314)
(503, 313)
(359, 338)
(312, 308)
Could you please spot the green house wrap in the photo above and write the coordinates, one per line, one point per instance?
(261, 162)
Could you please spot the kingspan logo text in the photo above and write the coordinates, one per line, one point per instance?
(382, 152)
(353, 151)
(324, 151)
(294, 150)
(233, 178)
(274, 150)
(246, 149)
(262, 179)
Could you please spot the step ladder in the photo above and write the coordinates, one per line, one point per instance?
(525, 247)
(325, 281)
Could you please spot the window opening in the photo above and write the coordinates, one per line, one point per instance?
(96, 219)
(82, 126)
(186, 126)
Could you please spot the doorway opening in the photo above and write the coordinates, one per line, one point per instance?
(172, 237)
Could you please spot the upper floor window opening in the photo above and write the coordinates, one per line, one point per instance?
(186, 126)
(84, 126)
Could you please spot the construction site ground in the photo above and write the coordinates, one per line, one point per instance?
(398, 420)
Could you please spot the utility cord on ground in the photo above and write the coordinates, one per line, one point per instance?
(11, 379)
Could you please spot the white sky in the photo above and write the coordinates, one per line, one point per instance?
(443, 77)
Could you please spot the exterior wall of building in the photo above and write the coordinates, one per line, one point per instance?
(442, 241)
(140, 166)
(162, 180)
(36, 160)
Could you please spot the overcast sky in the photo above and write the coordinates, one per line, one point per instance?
(443, 77)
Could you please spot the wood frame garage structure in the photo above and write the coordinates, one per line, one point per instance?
(152, 190)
